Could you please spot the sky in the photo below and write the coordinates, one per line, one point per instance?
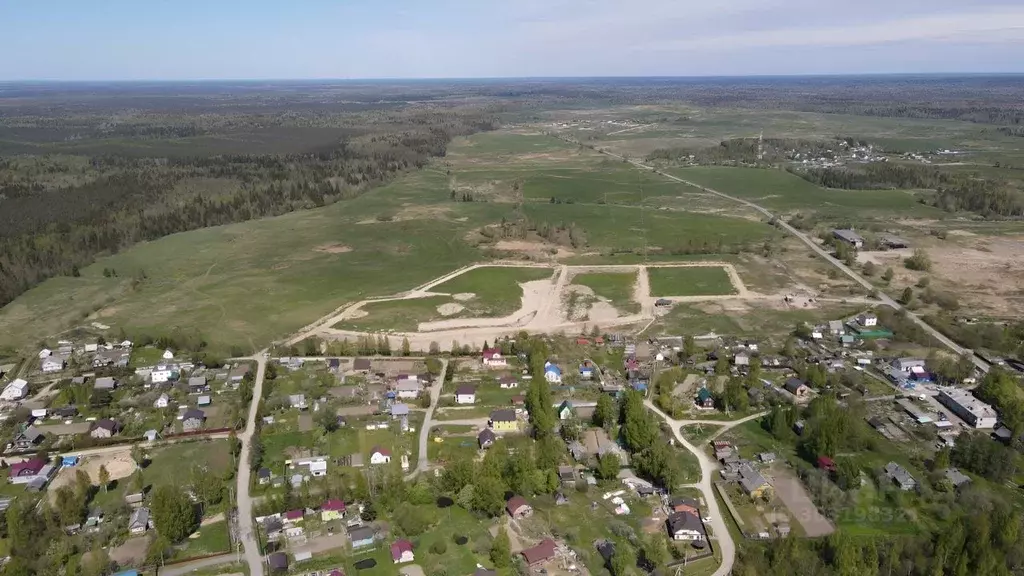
(342, 39)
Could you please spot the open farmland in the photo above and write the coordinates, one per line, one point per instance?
(617, 288)
(691, 281)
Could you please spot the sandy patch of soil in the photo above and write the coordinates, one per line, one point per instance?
(533, 248)
(332, 249)
(463, 296)
(450, 309)
(357, 313)
(119, 465)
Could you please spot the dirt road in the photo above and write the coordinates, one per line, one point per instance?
(428, 422)
(246, 532)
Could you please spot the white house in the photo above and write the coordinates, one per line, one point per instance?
(867, 320)
(53, 363)
(168, 355)
(492, 358)
(465, 394)
(16, 390)
(45, 353)
(552, 373)
(162, 401)
(161, 374)
(139, 522)
(508, 381)
(380, 456)
(407, 389)
(686, 526)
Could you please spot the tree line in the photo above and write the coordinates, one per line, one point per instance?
(55, 231)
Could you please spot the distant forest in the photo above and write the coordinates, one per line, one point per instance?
(58, 214)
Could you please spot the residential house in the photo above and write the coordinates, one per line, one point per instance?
(105, 383)
(401, 552)
(28, 470)
(278, 562)
(139, 521)
(867, 320)
(566, 474)
(16, 390)
(28, 438)
(333, 509)
(203, 400)
(192, 420)
(752, 482)
(797, 388)
(686, 526)
(399, 410)
(586, 370)
(263, 476)
(541, 553)
(66, 412)
(162, 401)
(836, 328)
(741, 360)
(508, 381)
(492, 358)
(565, 410)
(334, 364)
(361, 365)
(899, 475)
(237, 374)
(408, 389)
(53, 363)
(294, 516)
(163, 373)
(135, 499)
(766, 457)
(956, 477)
(518, 508)
(104, 428)
(504, 421)
(465, 394)
(705, 399)
(297, 401)
(197, 385)
(552, 373)
(361, 536)
(380, 455)
(681, 505)
(486, 438)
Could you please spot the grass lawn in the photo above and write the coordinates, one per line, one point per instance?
(497, 291)
(399, 315)
(781, 190)
(145, 356)
(173, 464)
(212, 539)
(690, 281)
(618, 288)
(453, 448)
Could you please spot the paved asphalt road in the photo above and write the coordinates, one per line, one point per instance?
(884, 298)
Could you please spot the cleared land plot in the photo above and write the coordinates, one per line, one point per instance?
(792, 493)
(781, 190)
(690, 281)
(744, 318)
(617, 288)
(496, 289)
(400, 315)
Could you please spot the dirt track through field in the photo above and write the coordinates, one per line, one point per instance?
(542, 308)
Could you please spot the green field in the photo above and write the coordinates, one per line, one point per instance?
(400, 315)
(781, 190)
(690, 281)
(616, 287)
(496, 289)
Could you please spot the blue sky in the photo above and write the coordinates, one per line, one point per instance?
(231, 39)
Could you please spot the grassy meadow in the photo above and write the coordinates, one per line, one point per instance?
(616, 287)
(690, 281)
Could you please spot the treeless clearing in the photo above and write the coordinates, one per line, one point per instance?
(332, 248)
(119, 465)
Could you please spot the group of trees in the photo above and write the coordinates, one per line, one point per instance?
(50, 230)
(651, 456)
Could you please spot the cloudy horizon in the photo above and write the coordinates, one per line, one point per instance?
(321, 39)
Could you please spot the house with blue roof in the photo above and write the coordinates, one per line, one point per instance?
(552, 373)
(586, 370)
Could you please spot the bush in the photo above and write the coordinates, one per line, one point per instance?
(924, 282)
(869, 268)
(439, 547)
(919, 261)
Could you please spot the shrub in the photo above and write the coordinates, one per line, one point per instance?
(919, 261)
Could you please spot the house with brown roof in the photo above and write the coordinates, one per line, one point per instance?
(542, 552)
(104, 428)
(518, 508)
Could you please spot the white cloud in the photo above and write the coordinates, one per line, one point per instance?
(1005, 25)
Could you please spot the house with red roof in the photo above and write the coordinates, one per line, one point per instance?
(492, 358)
(401, 552)
(25, 472)
(333, 509)
(543, 552)
(294, 515)
(380, 455)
